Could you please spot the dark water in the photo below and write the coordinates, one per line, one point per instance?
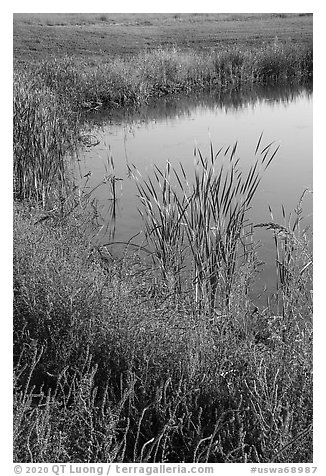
(169, 130)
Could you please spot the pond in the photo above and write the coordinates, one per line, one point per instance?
(169, 130)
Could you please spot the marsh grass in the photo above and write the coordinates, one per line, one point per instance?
(129, 82)
(45, 131)
(202, 220)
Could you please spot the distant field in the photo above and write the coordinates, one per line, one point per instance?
(38, 35)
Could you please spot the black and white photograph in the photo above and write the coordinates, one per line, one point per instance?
(162, 241)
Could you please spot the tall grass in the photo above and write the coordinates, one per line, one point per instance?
(294, 261)
(121, 82)
(45, 130)
(107, 371)
(201, 220)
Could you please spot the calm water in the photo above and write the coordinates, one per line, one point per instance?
(169, 130)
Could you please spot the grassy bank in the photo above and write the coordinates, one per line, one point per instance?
(110, 366)
(130, 82)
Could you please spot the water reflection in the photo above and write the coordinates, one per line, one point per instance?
(178, 106)
(170, 128)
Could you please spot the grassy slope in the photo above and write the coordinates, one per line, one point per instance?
(37, 36)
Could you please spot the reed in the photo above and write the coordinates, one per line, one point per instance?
(202, 220)
(45, 130)
(293, 261)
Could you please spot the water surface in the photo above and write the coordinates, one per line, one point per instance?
(171, 129)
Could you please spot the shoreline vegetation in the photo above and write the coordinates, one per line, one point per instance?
(120, 360)
(130, 82)
(53, 94)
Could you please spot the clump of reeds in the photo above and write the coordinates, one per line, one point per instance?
(201, 220)
(45, 130)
